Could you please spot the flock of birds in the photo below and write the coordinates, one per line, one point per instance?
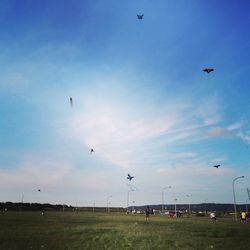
(129, 177)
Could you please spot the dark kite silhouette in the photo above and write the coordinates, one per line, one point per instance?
(71, 101)
(129, 177)
(216, 166)
(39, 190)
(208, 70)
(140, 17)
(92, 151)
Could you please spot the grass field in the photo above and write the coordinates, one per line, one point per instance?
(85, 230)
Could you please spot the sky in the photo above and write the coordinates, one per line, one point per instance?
(140, 99)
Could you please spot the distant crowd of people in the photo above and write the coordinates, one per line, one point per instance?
(244, 216)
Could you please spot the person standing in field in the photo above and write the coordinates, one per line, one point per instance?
(147, 212)
(213, 216)
(243, 216)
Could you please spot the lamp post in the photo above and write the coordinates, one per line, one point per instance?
(108, 203)
(175, 199)
(21, 205)
(131, 190)
(189, 195)
(235, 215)
(248, 193)
(205, 206)
(162, 197)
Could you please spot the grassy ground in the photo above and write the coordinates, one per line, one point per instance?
(83, 230)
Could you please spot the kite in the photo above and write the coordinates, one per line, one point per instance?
(92, 150)
(39, 190)
(140, 17)
(216, 166)
(208, 70)
(71, 101)
(129, 177)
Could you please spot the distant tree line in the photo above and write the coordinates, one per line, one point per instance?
(19, 206)
(31, 206)
(204, 207)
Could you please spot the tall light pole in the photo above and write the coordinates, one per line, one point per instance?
(189, 196)
(133, 206)
(175, 199)
(235, 215)
(205, 206)
(22, 201)
(162, 197)
(248, 193)
(108, 203)
(131, 190)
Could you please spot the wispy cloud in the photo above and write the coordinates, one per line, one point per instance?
(235, 130)
(236, 125)
(120, 131)
(244, 136)
(209, 110)
(216, 132)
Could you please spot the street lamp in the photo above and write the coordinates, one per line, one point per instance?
(162, 197)
(133, 206)
(235, 215)
(175, 199)
(248, 193)
(189, 195)
(108, 203)
(131, 190)
(205, 206)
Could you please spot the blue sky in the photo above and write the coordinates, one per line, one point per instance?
(141, 100)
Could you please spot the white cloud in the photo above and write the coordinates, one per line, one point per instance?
(235, 126)
(209, 110)
(216, 132)
(244, 136)
(232, 131)
(117, 132)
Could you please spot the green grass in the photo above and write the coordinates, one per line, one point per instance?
(85, 230)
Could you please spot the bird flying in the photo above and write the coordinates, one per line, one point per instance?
(216, 166)
(208, 70)
(129, 177)
(71, 101)
(140, 17)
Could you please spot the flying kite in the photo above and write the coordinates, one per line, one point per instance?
(140, 17)
(216, 166)
(92, 150)
(129, 177)
(39, 190)
(71, 101)
(208, 70)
